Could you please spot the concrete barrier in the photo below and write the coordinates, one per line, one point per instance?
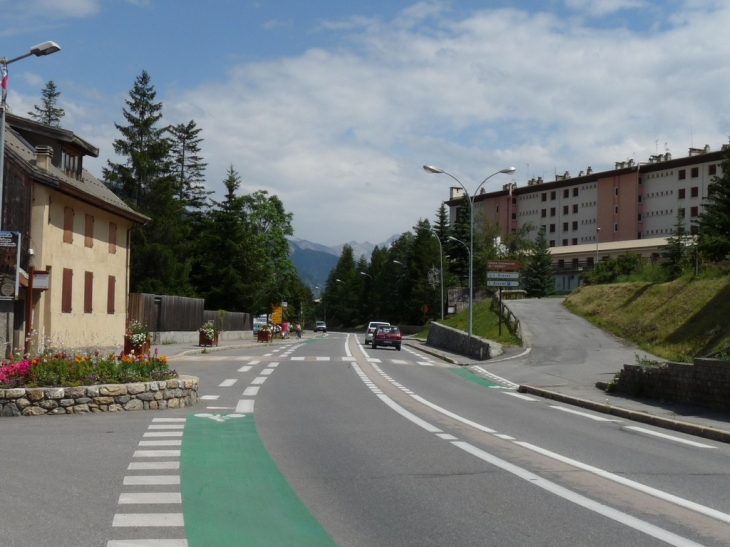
(457, 341)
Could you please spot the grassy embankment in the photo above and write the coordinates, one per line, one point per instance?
(485, 324)
(677, 321)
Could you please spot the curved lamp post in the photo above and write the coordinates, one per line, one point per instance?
(46, 48)
(436, 170)
(366, 275)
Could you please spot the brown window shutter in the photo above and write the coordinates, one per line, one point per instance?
(110, 294)
(68, 225)
(88, 292)
(66, 293)
(112, 238)
(89, 233)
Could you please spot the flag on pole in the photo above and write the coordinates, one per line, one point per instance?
(5, 83)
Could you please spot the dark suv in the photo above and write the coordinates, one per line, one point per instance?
(387, 336)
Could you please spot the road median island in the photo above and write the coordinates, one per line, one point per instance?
(234, 494)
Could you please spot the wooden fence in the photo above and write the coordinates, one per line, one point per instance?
(161, 313)
(229, 321)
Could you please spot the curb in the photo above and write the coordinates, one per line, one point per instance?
(428, 350)
(666, 423)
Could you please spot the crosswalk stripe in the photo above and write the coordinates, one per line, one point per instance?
(163, 434)
(159, 443)
(148, 519)
(156, 453)
(147, 543)
(147, 466)
(228, 383)
(131, 498)
(136, 480)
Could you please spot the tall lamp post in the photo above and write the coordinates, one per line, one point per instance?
(46, 48)
(436, 170)
(441, 258)
(598, 233)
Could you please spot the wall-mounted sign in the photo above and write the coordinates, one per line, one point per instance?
(41, 280)
(9, 262)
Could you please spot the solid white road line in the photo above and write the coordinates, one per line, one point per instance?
(584, 414)
(149, 497)
(669, 437)
(148, 519)
(452, 415)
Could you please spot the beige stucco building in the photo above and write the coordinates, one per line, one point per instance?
(75, 241)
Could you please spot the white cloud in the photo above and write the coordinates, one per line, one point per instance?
(600, 8)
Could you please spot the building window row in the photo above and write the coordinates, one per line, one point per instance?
(68, 230)
(67, 292)
(662, 193)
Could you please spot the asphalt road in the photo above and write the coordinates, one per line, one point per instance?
(379, 447)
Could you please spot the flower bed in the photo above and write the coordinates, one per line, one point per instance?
(75, 384)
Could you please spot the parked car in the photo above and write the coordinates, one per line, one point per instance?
(371, 330)
(387, 336)
(320, 326)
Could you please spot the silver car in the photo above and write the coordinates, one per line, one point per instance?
(371, 329)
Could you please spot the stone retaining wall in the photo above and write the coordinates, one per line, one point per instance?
(458, 341)
(704, 383)
(176, 393)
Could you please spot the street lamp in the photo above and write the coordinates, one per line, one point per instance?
(598, 233)
(441, 258)
(46, 48)
(366, 274)
(436, 170)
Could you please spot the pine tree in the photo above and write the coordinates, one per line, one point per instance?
(675, 251)
(48, 113)
(714, 222)
(189, 167)
(538, 278)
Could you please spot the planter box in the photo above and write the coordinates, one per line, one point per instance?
(138, 350)
(203, 340)
(263, 336)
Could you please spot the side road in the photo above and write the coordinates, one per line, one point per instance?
(562, 359)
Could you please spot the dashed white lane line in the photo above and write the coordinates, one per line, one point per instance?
(243, 358)
(209, 397)
(273, 365)
(425, 363)
(254, 362)
(399, 362)
(258, 380)
(245, 368)
(148, 519)
(266, 372)
(584, 414)
(228, 383)
(251, 391)
(323, 358)
(134, 498)
(137, 480)
(668, 437)
(245, 406)
(297, 358)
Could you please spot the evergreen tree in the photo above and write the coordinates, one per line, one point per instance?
(48, 113)
(340, 295)
(189, 167)
(714, 222)
(675, 253)
(538, 278)
(461, 230)
(159, 263)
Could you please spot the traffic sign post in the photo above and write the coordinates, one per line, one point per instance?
(503, 275)
(502, 283)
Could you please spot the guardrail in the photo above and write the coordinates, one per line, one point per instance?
(508, 316)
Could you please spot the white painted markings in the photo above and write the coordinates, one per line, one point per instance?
(163, 426)
(147, 466)
(228, 383)
(141, 498)
(245, 368)
(160, 443)
(245, 406)
(519, 396)
(297, 358)
(209, 397)
(148, 543)
(163, 434)
(258, 380)
(266, 371)
(157, 454)
(136, 480)
(668, 437)
(148, 519)
(251, 391)
(584, 414)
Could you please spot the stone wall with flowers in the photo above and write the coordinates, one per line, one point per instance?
(176, 393)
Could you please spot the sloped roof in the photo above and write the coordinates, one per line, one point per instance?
(89, 189)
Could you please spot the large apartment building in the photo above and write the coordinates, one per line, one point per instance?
(633, 207)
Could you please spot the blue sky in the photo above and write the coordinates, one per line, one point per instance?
(334, 106)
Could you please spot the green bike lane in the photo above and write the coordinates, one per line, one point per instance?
(234, 494)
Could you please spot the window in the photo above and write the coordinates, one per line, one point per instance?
(514, 216)
(88, 292)
(552, 211)
(543, 213)
(552, 195)
(682, 174)
(566, 193)
(514, 201)
(712, 169)
(566, 209)
(552, 243)
(589, 261)
(694, 191)
(561, 264)
(565, 226)
(575, 225)
(575, 241)
(615, 209)
(615, 227)
(695, 172)
(639, 199)
(680, 212)
(576, 263)
(544, 196)
(575, 192)
(552, 228)
(681, 193)
(71, 164)
(615, 191)
(565, 243)
(68, 225)
(111, 294)
(89, 231)
(497, 209)
(639, 219)
(112, 238)
(66, 291)
(575, 208)
(694, 211)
